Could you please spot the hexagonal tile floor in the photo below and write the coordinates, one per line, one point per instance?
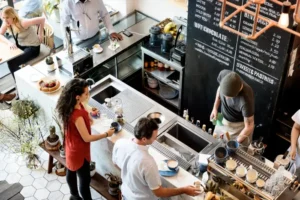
(37, 184)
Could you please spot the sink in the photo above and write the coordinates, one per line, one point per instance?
(187, 137)
(108, 92)
(174, 146)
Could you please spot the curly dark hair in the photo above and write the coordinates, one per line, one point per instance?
(67, 100)
(145, 128)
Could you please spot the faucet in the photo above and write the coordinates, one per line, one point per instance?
(69, 41)
(90, 81)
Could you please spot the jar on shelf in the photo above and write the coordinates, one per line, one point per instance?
(152, 64)
(160, 66)
(167, 67)
(155, 63)
(146, 64)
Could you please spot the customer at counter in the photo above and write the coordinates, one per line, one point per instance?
(237, 107)
(84, 17)
(295, 141)
(24, 34)
(77, 129)
(139, 172)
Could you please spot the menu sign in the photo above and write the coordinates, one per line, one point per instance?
(210, 49)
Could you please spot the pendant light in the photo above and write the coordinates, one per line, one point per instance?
(284, 16)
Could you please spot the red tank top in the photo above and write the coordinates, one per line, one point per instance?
(76, 148)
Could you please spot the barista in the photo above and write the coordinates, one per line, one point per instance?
(237, 107)
(295, 140)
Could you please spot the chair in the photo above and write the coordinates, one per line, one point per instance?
(47, 45)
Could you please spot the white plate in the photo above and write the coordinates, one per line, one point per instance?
(46, 79)
(98, 50)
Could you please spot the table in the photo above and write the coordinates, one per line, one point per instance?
(7, 54)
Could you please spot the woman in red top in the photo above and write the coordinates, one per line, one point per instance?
(77, 128)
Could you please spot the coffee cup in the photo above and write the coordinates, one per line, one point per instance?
(116, 126)
(172, 164)
(260, 183)
(232, 146)
(231, 164)
(241, 171)
(252, 175)
(95, 112)
(221, 155)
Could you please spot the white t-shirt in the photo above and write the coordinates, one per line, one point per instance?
(296, 119)
(139, 171)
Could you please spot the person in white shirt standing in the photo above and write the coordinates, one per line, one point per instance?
(295, 140)
(139, 171)
(83, 15)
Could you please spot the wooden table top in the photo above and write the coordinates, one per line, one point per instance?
(8, 54)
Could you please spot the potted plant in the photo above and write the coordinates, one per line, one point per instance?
(113, 184)
(52, 139)
(50, 63)
(23, 131)
(51, 8)
(92, 168)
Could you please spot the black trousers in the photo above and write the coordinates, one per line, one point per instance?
(30, 52)
(83, 174)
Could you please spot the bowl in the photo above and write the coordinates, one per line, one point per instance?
(221, 155)
(252, 175)
(157, 116)
(241, 171)
(96, 46)
(231, 164)
(116, 126)
(172, 164)
(232, 146)
(152, 83)
(260, 183)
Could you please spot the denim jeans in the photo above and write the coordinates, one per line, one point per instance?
(84, 176)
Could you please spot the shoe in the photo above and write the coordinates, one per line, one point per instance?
(7, 97)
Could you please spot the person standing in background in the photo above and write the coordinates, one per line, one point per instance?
(83, 15)
(237, 107)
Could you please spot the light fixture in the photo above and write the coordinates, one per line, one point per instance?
(284, 16)
(283, 22)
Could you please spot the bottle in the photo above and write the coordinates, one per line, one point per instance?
(204, 127)
(210, 131)
(184, 113)
(198, 123)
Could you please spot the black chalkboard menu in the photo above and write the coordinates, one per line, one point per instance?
(210, 49)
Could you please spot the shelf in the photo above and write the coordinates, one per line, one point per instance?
(129, 66)
(164, 58)
(162, 76)
(173, 102)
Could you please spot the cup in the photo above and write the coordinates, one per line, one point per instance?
(268, 185)
(221, 155)
(281, 185)
(172, 164)
(260, 183)
(232, 146)
(116, 126)
(95, 112)
(251, 175)
(241, 171)
(231, 164)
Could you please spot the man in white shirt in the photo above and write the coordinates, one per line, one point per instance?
(139, 172)
(295, 140)
(83, 15)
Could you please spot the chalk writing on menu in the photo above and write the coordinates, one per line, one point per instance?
(260, 60)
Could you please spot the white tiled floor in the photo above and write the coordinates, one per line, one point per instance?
(37, 184)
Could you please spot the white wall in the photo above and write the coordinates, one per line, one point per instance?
(162, 9)
(158, 9)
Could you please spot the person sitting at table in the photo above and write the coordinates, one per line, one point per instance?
(25, 36)
(84, 16)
